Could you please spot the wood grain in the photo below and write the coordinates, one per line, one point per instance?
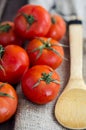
(2, 7)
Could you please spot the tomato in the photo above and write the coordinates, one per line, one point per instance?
(14, 61)
(8, 35)
(8, 101)
(45, 51)
(58, 27)
(40, 84)
(31, 21)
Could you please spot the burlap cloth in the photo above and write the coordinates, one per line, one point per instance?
(30, 116)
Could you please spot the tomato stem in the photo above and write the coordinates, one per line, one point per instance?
(2, 68)
(2, 94)
(5, 28)
(1, 54)
(53, 20)
(1, 51)
(49, 46)
(2, 85)
(29, 18)
(58, 53)
(47, 78)
(59, 44)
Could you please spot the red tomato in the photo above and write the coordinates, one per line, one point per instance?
(8, 35)
(40, 84)
(8, 101)
(31, 21)
(13, 63)
(58, 27)
(45, 51)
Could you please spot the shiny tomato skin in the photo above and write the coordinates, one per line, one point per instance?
(15, 62)
(39, 27)
(8, 105)
(58, 27)
(43, 93)
(10, 36)
(48, 57)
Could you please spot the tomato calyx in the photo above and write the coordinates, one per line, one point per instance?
(1, 54)
(29, 18)
(2, 68)
(47, 78)
(1, 51)
(53, 20)
(2, 85)
(5, 28)
(47, 45)
(2, 94)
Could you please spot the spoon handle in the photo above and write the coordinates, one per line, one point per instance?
(76, 51)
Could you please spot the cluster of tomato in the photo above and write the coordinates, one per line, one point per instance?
(34, 66)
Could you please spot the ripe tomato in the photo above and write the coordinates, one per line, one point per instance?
(40, 84)
(13, 63)
(45, 51)
(8, 101)
(31, 21)
(58, 27)
(8, 35)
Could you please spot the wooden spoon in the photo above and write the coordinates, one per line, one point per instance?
(70, 109)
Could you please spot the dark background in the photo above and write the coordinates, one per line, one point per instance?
(11, 9)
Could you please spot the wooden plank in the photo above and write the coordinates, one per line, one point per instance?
(8, 125)
(12, 8)
(2, 7)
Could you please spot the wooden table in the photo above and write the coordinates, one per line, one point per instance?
(8, 9)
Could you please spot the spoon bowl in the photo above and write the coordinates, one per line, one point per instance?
(70, 109)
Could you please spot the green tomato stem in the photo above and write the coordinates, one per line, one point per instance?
(2, 85)
(53, 20)
(29, 18)
(47, 78)
(5, 28)
(47, 45)
(2, 94)
(1, 51)
(2, 68)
